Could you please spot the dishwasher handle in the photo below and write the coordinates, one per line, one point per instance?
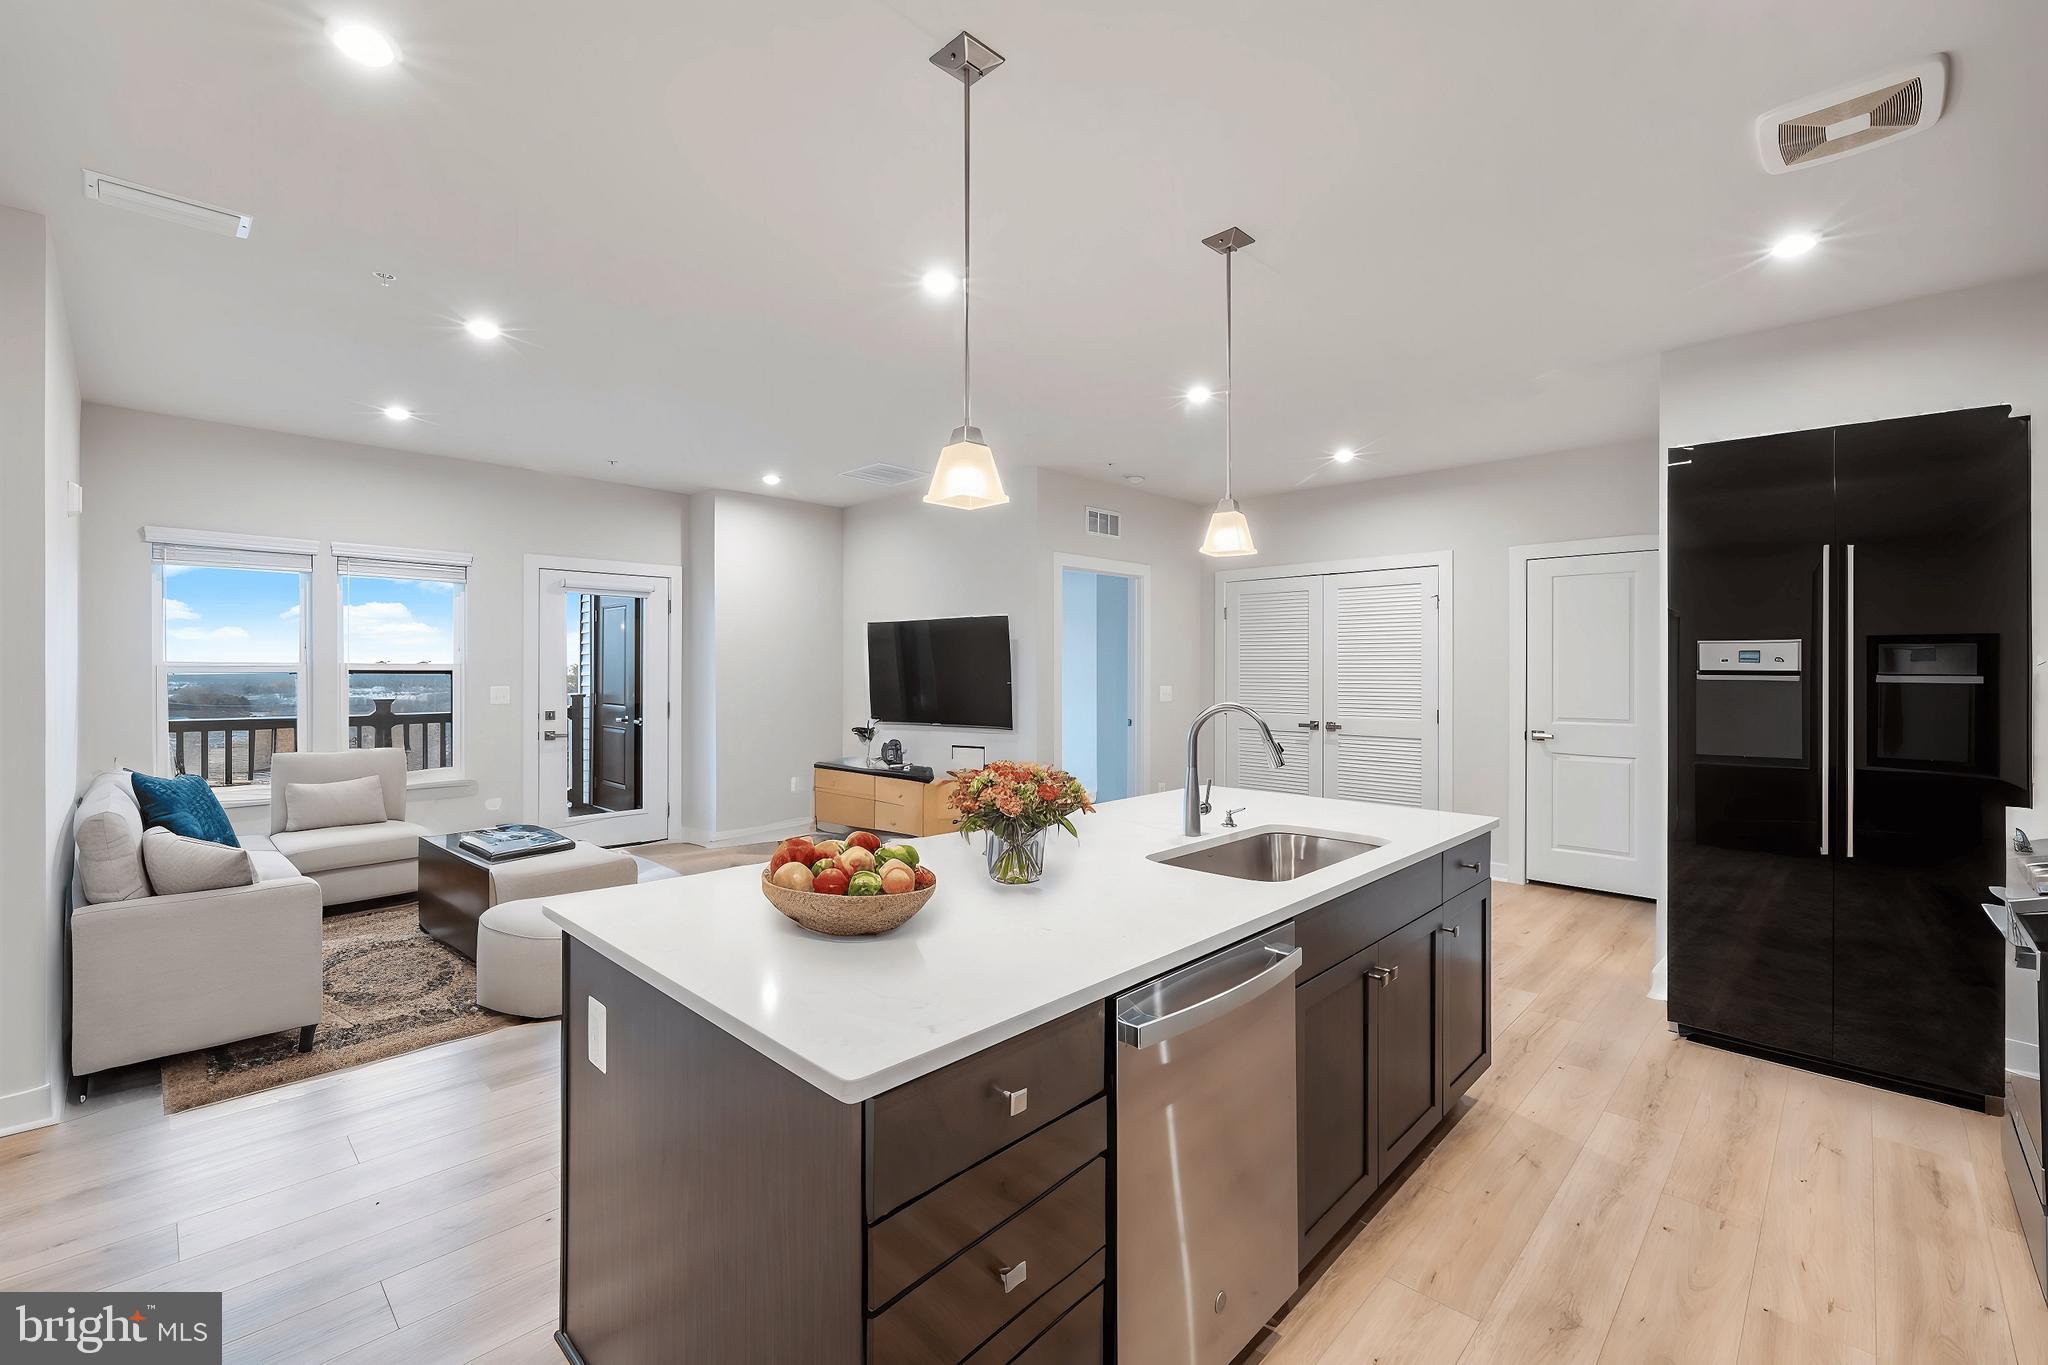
(1138, 1027)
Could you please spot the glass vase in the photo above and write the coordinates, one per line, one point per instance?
(1017, 861)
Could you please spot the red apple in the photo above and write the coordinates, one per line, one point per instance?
(897, 879)
(831, 882)
(860, 838)
(924, 877)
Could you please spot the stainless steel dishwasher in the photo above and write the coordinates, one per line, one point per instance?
(1206, 1235)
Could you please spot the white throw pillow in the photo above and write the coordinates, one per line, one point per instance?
(177, 864)
(325, 805)
(108, 832)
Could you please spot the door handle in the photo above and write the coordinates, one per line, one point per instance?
(1308, 725)
(1541, 735)
(551, 734)
(1451, 929)
(1384, 975)
(1332, 726)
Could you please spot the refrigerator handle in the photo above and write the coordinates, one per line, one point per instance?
(1827, 779)
(1850, 664)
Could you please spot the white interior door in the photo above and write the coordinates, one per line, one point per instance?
(1380, 696)
(1274, 664)
(1594, 765)
(602, 721)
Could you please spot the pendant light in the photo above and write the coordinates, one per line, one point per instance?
(966, 475)
(1229, 533)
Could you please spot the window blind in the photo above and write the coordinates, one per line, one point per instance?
(223, 550)
(385, 561)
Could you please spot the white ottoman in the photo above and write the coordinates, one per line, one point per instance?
(519, 949)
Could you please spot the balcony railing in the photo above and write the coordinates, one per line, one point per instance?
(235, 751)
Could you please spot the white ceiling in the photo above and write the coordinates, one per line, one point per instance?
(703, 223)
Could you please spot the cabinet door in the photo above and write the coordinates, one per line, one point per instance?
(1273, 663)
(1464, 954)
(1335, 1147)
(1380, 686)
(1406, 1075)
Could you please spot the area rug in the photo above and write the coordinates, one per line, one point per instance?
(390, 989)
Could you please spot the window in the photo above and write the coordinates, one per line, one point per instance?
(401, 633)
(231, 655)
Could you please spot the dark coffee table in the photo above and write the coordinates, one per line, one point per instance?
(455, 889)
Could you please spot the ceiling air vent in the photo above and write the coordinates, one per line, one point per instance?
(1105, 523)
(1852, 118)
(884, 475)
(123, 194)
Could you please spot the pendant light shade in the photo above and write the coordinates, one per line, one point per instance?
(1229, 533)
(966, 475)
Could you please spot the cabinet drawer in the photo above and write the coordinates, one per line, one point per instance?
(962, 1305)
(926, 1132)
(1028, 1330)
(916, 1240)
(1075, 1339)
(1330, 933)
(836, 808)
(939, 812)
(843, 783)
(899, 791)
(1467, 865)
(899, 817)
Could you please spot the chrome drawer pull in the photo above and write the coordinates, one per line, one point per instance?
(1469, 867)
(1012, 1275)
(1451, 929)
(1020, 1099)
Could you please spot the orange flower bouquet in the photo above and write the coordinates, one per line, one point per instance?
(1016, 805)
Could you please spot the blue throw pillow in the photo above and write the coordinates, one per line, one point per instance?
(183, 805)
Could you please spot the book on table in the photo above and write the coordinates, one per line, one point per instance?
(512, 841)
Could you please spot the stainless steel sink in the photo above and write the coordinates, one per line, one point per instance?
(1269, 855)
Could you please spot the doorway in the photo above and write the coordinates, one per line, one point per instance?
(602, 683)
(1099, 607)
(1586, 759)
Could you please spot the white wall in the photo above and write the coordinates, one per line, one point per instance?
(1969, 348)
(776, 632)
(907, 560)
(1476, 512)
(39, 561)
(147, 469)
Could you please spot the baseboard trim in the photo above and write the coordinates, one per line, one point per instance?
(26, 1109)
(1504, 872)
(1660, 979)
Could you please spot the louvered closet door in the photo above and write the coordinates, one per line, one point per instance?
(1274, 665)
(1380, 698)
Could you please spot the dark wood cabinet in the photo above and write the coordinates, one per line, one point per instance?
(1464, 954)
(1385, 1040)
(1405, 1061)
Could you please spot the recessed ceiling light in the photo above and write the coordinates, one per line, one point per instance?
(1344, 456)
(1134, 479)
(1199, 394)
(361, 43)
(939, 283)
(398, 412)
(483, 329)
(1794, 245)
(771, 479)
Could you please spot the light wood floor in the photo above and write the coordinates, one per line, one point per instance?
(1607, 1194)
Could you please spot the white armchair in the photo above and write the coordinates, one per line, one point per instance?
(350, 862)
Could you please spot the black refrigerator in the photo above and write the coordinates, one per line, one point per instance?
(1849, 661)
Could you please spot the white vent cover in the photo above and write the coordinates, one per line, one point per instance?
(1853, 118)
(1105, 523)
(886, 475)
(124, 194)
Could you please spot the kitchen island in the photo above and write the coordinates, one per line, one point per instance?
(785, 1147)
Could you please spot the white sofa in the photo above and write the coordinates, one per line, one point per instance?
(153, 976)
(350, 862)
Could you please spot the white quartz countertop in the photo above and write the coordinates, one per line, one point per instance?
(981, 962)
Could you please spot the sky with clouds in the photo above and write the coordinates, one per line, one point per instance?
(251, 616)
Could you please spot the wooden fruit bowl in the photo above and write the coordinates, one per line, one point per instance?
(845, 916)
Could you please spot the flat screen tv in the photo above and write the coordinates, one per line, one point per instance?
(953, 671)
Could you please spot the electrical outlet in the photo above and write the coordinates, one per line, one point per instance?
(594, 1033)
(495, 803)
(1166, 691)
(501, 696)
(792, 784)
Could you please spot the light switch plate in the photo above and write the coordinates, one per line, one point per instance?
(595, 1032)
(1166, 691)
(501, 696)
